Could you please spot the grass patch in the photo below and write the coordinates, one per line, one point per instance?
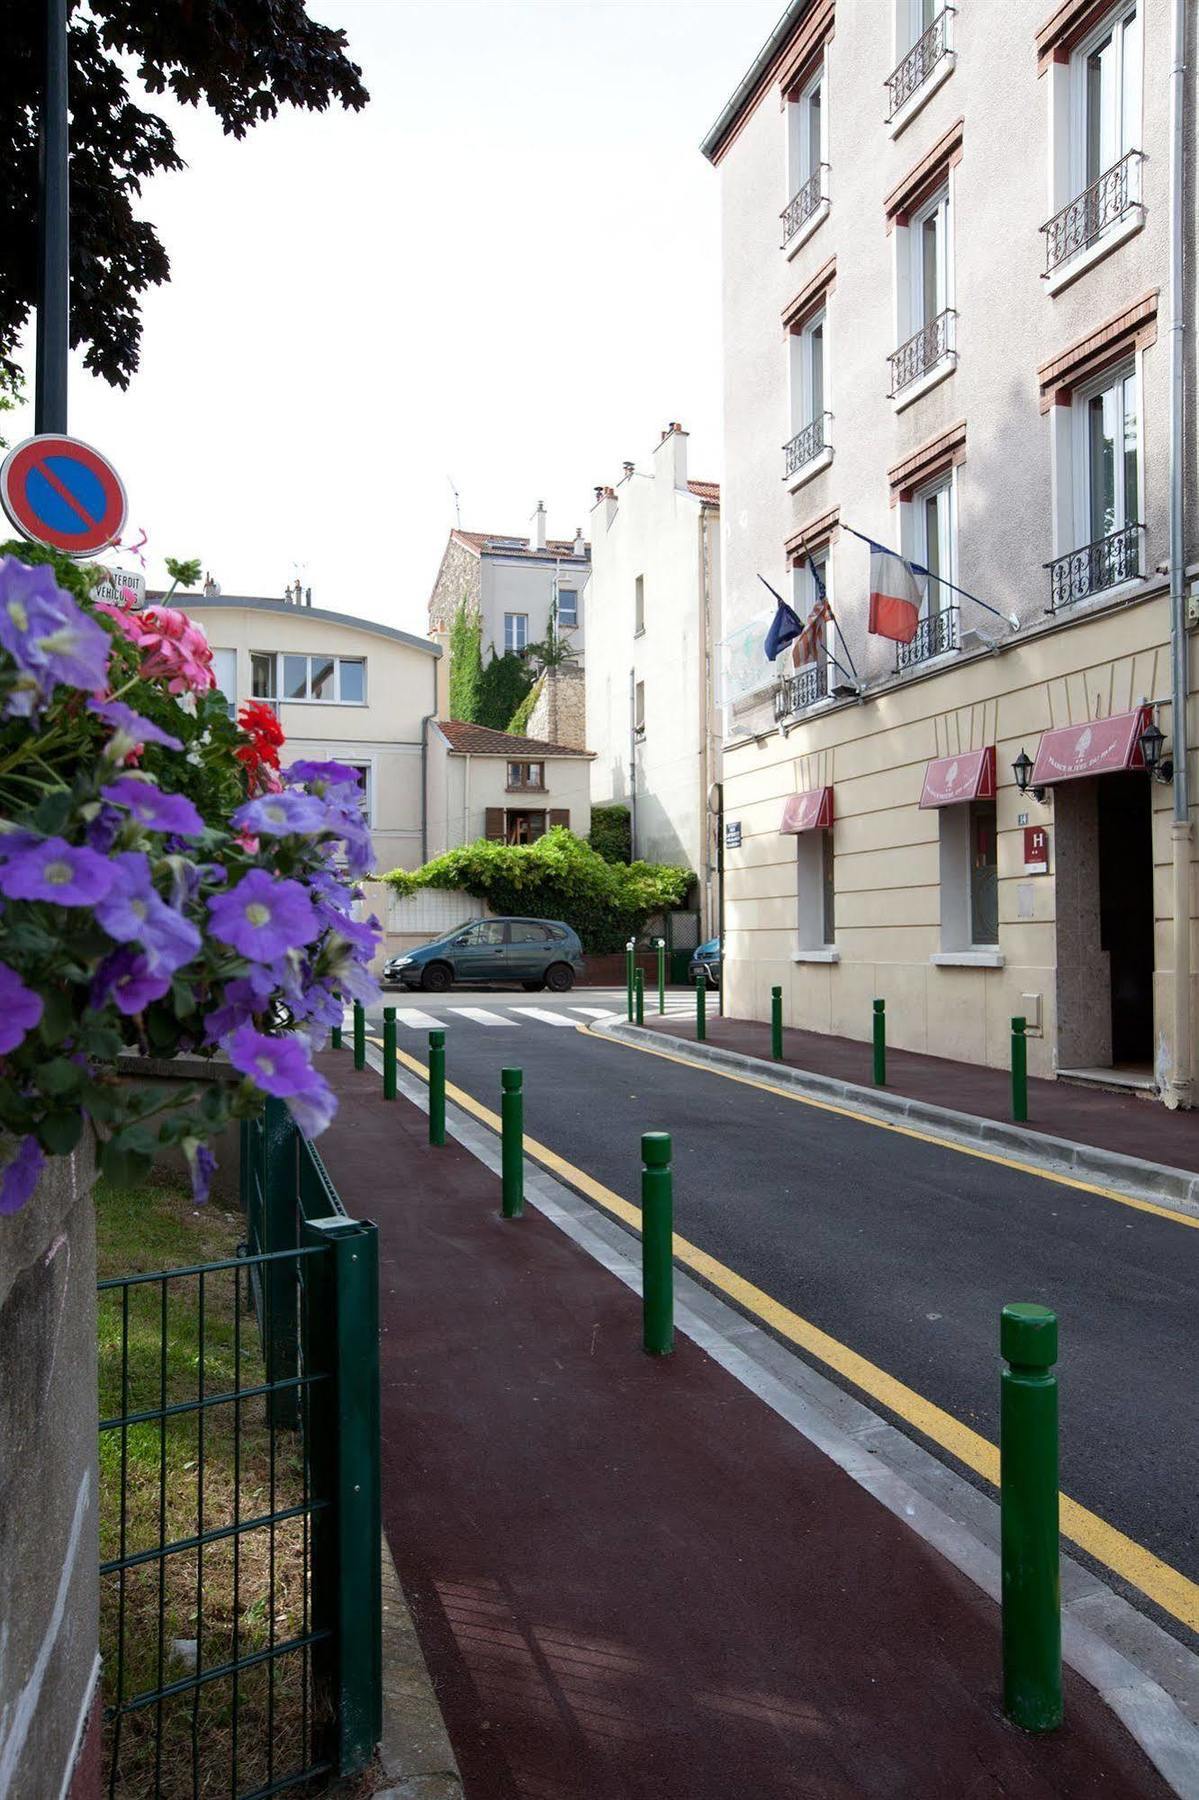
(168, 1343)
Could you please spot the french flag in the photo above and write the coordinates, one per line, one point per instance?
(897, 591)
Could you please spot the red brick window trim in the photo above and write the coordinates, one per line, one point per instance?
(947, 451)
(923, 181)
(818, 534)
(805, 50)
(811, 297)
(1133, 329)
(1066, 28)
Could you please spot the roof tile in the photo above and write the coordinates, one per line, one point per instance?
(480, 740)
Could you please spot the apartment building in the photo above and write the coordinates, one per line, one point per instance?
(653, 724)
(953, 324)
(515, 585)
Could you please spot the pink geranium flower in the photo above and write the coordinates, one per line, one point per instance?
(173, 647)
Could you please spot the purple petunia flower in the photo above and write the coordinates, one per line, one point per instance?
(136, 913)
(313, 1107)
(130, 979)
(152, 808)
(263, 917)
(54, 870)
(129, 725)
(20, 1009)
(280, 1066)
(48, 636)
(20, 1165)
(201, 1164)
(338, 773)
(282, 815)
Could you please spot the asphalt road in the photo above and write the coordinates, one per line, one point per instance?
(902, 1249)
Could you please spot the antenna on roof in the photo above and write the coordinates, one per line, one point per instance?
(457, 502)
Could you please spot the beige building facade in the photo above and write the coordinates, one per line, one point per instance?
(953, 325)
(654, 598)
(503, 787)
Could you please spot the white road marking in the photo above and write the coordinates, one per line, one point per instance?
(547, 1018)
(481, 1016)
(596, 1012)
(417, 1020)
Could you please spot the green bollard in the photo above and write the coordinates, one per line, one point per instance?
(437, 1087)
(880, 1043)
(630, 951)
(639, 996)
(359, 1035)
(776, 1023)
(1019, 1071)
(335, 1038)
(657, 1244)
(661, 975)
(1028, 1504)
(389, 1052)
(512, 1144)
(701, 1009)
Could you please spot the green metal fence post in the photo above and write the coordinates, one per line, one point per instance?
(661, 975)
(279, 1230)
(437, 1087)
(639, 996)
(359, 1035)
(389, 1052)
(776, 1023)
(1019, 1071)
(335, 1038)
(657, 1244)
(512, 1144)
(880, 1043)
(630, 951)
(341, 1333)
(701, 1011)
(1028, 1501)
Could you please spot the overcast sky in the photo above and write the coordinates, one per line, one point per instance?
(504, 270)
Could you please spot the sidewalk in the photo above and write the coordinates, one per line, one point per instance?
(1119, 1123)
(632, 1580)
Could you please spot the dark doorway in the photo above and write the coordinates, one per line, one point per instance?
(1126, 910)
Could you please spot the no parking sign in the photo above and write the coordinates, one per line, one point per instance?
(60, 492)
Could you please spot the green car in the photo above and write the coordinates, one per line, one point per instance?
(536, 953)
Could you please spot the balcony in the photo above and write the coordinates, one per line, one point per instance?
(927, 352)
(801, 690)
(929, 56)
(1104, 564)
(808, 452)
(803, 208)
(1108, 203)
(936, 634)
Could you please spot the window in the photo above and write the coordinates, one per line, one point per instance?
(568, 606)
(922, 43)
(224, 668)
(815, 865)
(807, 158)
(925, 276)
(365, 773)
(516, 633)
(1098, 461)
(809, 440)
(808, 678)
(639, 708)
(524, 827)
(1096, 120)
(928, 530)
(1105, 112)
(524, 931)
(984, 874)
(336, 680)
(526, 775)
(490, 932)
(969, 879)
(639, 605)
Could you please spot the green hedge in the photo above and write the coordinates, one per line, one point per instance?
(519, 722)
(558, 877)
(611, 834)
(503, 684)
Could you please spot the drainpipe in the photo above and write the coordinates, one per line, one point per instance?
(1178, 1092)
(633, 765)
(424, 769)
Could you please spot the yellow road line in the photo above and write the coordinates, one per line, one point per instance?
(911, 1131)
(1167, 1587)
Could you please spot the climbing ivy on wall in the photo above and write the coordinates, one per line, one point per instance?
(466, 662)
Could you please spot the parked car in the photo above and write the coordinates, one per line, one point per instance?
(706, 961)
(536, 953)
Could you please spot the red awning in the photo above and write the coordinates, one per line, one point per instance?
(805, 812)
(967, 776)
(1096, 748)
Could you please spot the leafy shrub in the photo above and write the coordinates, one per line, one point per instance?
(503, 684)
(611, 835)
(519, 722)
(558, 877)
(466, 662)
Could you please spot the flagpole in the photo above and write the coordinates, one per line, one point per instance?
(1008, 618)
(823, 586)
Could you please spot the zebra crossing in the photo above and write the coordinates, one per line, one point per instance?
(499, 1016)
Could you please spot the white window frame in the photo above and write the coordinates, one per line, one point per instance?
(367, 765)
(638, 605)
(1080, 450)
(914, 538)
(639, 708)
(936, 208)
(803, 599)
(813, 933)
(803, 398)
(800, 166)
(278, 699)
(1129, 125)
(516, 625)
(232, 698)
(958, 948)
(568, 624)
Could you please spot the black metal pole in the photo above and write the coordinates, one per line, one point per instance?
(53, 297)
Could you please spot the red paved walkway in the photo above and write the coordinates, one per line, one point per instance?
(1124, 1123)
(631, 1579)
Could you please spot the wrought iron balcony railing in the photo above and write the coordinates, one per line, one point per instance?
(920, 61)
(807, 444)
(799, 210)
(801, 690)
(931, 345)
(936, 633)
(1104, 203)
(1103, 564)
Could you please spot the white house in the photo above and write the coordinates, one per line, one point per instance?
(513, 584)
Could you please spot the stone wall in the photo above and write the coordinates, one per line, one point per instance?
(458, 578)
(560, 714)
(49, 1584)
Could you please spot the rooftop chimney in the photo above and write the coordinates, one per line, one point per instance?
(628, 469)
(579, 547)
(537, 541)
(670, 457)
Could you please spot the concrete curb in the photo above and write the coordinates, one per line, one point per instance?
(1149, 1679)
(415, 1748)
(1177, 1189)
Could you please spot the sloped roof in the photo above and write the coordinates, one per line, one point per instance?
(499, 543)
(706, 490)
(481, 740)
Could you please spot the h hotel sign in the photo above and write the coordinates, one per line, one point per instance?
(1036, 850)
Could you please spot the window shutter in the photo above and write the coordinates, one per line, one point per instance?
(493, 824)
(559, 815)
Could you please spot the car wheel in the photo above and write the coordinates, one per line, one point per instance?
(436, 979)
(559, 978)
